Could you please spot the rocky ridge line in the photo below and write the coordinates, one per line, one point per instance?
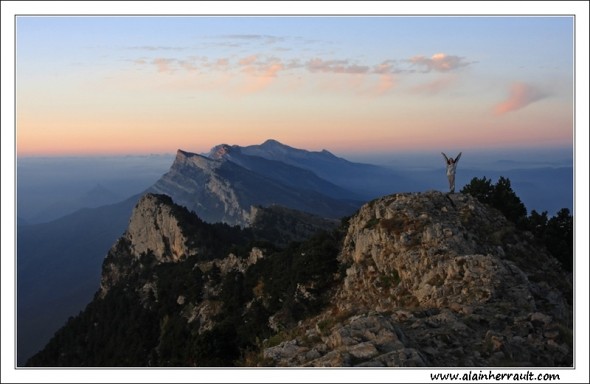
(437, 279)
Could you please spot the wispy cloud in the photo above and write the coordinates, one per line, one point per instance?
(335, 66)
(265, 67)
(519, 96)
(440, 62)
(386, 66)
(163, 64)
(386, 71)
(385, 84)
(259, 70)
(248, 60)
(435, 86)
(189, 65)
(221, 64)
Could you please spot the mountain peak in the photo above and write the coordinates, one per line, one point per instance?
(273, 142)
(275, 147)
(275, 150)
(184, 159)
(183, 154)
(222, 151)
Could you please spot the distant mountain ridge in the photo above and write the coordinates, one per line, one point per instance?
(230, 189)
(287, 172)
(230, 184)
(223, 186)
(367, 180)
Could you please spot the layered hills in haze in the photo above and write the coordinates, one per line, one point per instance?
(225, 183)
(247, 256)
(58, 263)
(365, 180)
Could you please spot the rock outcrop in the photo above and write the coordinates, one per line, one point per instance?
(154, 231)
(154, 228)
(197, 183)
(437, 279)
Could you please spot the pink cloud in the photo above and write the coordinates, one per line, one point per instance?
(260, 73)
(272, 69)
(163, 65)
(222, 63)
(386, 83)
(520, 96)
(189, 65)
(439, 62)
(249, 60)
(384, 67)
(254, 67)
(434, 86)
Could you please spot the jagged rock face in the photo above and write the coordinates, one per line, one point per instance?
(154, 228)
(422, 250)
(196, 182)
(437, 279)
(223, 188)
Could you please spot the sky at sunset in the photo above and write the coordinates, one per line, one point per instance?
(135, 85)
(119, 85)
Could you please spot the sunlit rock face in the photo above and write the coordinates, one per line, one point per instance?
(223, 187)
(204, 185)
(153, 227)
(435, 279)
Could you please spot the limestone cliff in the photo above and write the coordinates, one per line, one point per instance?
(153, 227)
(222, 188)
(154, 230)
(198, 183)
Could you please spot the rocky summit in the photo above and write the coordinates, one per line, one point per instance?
(435, 279)
(411, 280)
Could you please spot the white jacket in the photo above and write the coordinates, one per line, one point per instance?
(452, 167)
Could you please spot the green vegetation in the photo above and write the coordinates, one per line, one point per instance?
(555, 233)
(500, 196)
(144, 318)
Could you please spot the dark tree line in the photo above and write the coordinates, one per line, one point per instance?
(134, 326)
(556, 233)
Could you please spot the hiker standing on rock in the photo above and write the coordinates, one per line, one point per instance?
(451, 168)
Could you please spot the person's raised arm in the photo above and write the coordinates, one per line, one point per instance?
(446, 158)
(458, 157)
